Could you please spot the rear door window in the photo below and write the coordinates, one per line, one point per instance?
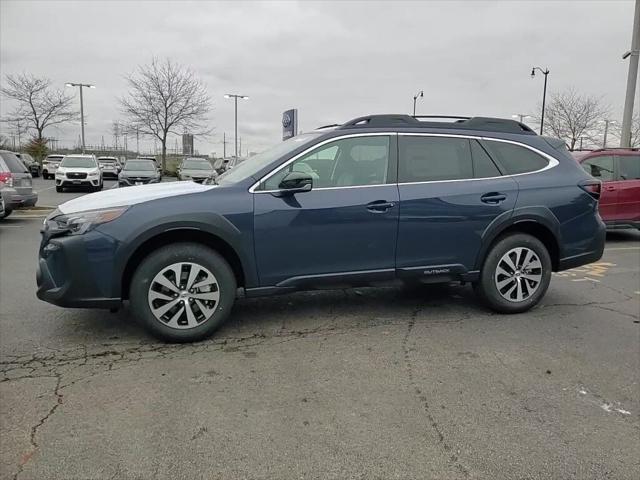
(600, 167)
(629, 167)
(514, 159)
(431, 159)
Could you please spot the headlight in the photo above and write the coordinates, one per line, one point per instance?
(81, 222)
(93, 174)
(59, 173)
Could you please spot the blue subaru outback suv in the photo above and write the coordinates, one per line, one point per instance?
(380, 198)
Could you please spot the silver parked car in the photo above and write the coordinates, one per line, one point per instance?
(15, 175)
(196, 169)
(50, 165)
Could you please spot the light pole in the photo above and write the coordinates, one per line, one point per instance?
(69, 84)
(520, 116)
(634, 53)
(544, 92)
(235, 98)
(606, 130)
(420, 94)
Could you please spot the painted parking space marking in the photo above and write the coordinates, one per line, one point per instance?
(620, 248)
(587, 273)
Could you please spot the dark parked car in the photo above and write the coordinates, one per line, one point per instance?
(139, 172)
(50, 165)
(110, 166)
(196, 169)
(619, 171)
(15, 175)
(34, 167)
(383, 198)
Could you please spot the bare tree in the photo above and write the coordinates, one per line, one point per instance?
(166, 98)
(38, 104)
(570, 115)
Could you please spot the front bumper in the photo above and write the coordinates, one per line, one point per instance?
(84, 182)
(77, 270)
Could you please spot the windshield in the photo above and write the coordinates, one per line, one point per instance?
(53, 158)
(78, 162)
(196, 164)
(253, 165)
(107, 160)
(146, 165)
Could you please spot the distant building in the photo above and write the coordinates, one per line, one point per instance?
(187, 144)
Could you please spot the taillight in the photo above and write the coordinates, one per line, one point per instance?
(592, 187)
(6, 178)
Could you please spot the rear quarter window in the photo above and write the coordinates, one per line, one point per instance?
(13, 163)
(629, 167)
(514, 159)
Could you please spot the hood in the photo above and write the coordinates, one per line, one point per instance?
(118, 197)
(77, 169)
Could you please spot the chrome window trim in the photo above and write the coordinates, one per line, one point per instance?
(253, 187)
(552, 162)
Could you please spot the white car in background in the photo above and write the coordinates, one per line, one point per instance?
(79, 171)
(50, 165)
(110, 166)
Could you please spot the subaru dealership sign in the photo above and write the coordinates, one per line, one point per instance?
(289, 123)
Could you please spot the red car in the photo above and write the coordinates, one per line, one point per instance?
(619, 170)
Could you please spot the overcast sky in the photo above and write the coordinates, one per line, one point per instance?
(331, 60)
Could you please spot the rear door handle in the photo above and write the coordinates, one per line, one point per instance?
(610, 188)
(493, 198)
(379, 206)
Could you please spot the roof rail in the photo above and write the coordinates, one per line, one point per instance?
(615, 148)
(464, 123)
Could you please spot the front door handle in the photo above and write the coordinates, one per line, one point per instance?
(379, 206)
(610, 188)
(493, 198)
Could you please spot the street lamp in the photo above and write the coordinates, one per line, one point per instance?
(544, 92)
(235, 98)
(420, 94)
(606, 130)
(81, 105)
(520, 116)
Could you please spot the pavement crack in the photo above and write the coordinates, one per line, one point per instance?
(34, 429)
(422, 398)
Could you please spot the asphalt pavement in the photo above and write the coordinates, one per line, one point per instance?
(408, 383)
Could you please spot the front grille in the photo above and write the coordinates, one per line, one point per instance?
(139, 179)
(76, 175)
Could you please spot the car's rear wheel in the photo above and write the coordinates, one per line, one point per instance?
(515, 275)
(183, 292)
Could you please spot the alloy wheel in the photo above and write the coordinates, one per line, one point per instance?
(518, 274)
(183, 295)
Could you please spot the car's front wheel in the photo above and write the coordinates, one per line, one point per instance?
(183, 292)
(515, 275)
(59, 189)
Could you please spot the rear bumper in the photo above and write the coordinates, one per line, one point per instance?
(24, 200)
(593, 252)
(76, 271)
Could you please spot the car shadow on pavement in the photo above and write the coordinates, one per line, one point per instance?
(301, 312)
(623, 235)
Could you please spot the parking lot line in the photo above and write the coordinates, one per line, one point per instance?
(621, 248)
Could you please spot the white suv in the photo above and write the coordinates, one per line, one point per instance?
(79, 171)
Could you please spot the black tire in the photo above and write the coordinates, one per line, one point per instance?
(6, 213)
(165, 256)
(59, 189)
(45, 176)
(487, 289)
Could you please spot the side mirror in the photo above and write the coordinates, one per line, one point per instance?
(295, 182)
